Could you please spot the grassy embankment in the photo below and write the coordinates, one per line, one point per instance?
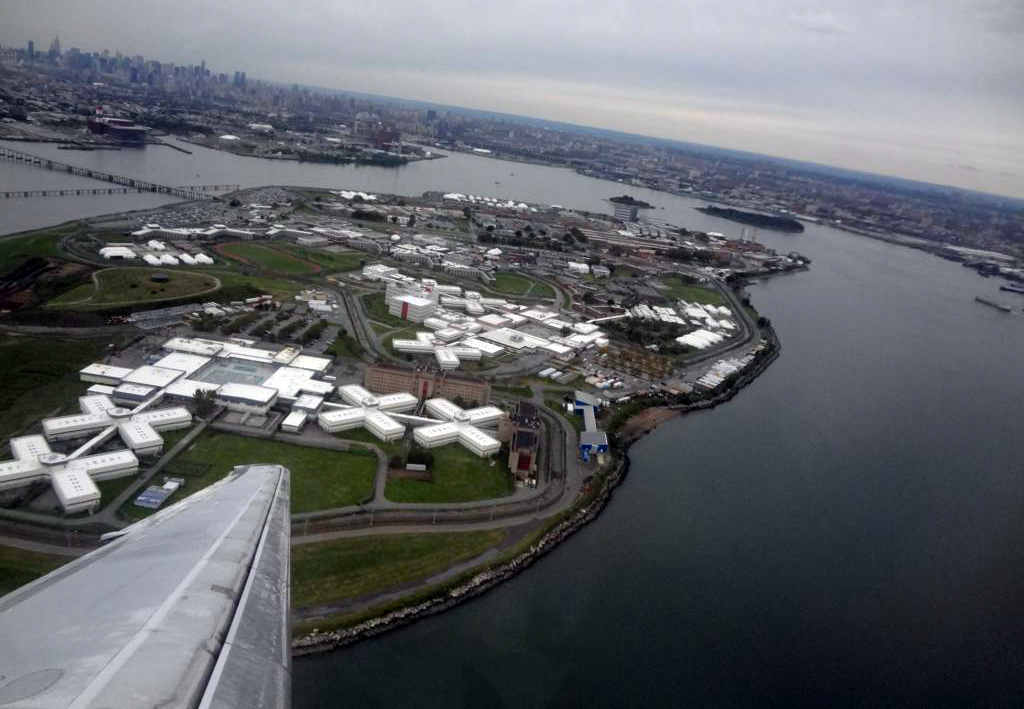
(345, 569)
(119, 286)
(320, 478)
(677, 289)
(268, 258)
(458, 476)
(19, 567)
(329, 261)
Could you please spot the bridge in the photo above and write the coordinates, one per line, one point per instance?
(71, 192)
(17, 156)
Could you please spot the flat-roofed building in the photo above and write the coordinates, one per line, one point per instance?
(196, 346)
(294, 421)
(75, 490)
(185, 389)
(183, 362)
(132, 394)
(425, 383)
(104, 374)
(149, 375)
(310, 403)
(245, 397)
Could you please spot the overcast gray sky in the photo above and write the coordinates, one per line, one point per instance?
(926, 89)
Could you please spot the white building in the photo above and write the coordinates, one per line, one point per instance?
(294, 421)
(245, 397)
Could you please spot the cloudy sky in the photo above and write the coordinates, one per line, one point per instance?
(926, 89)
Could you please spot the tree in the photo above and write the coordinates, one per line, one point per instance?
(459, 401)
(412, 221)
(204, 402)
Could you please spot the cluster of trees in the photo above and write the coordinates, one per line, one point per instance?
(313, 332)
(240, 323)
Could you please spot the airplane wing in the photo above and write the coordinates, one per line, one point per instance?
(188, 608)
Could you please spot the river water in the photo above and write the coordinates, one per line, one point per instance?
(845, 533)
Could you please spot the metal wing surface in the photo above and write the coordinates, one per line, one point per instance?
(188, 608)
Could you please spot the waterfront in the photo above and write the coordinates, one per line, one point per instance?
(457, 172)
(845, 532)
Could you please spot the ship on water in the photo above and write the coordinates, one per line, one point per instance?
(994, 303)
(1012, 288)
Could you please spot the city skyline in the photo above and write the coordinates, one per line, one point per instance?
(950, 122)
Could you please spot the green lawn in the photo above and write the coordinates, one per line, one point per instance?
(377, 310)
(459, 476)
(44, 244)
(18, 567)
(38, 375)
(511, 285)
(129, 285)
(677, 289)
(267, 257)
(330, 261)
(334, 571)
(542, 290)
(320, 478)
(273, 286)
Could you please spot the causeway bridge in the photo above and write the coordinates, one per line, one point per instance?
(127, 183)
(71, 192)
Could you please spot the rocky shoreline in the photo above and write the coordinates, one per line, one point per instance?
(479, 583)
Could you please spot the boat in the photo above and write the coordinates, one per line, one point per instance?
(995, 304)
(1012, 288)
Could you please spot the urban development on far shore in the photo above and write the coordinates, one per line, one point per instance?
(451, 380)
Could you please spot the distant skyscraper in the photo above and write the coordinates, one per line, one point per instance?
(31, 49)
(55, 47)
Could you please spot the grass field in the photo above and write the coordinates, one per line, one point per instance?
(273, 286)
(677, 289)
(320, 478)
(18, 567)
(377, 310)
(459, 476)
(330, 261)
(129, 285)
(38, 375)
(267, 257)
(43, 244)
(510, 284)
(344, 569)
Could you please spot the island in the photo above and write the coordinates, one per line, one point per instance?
(399, 381)
(764, 221)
